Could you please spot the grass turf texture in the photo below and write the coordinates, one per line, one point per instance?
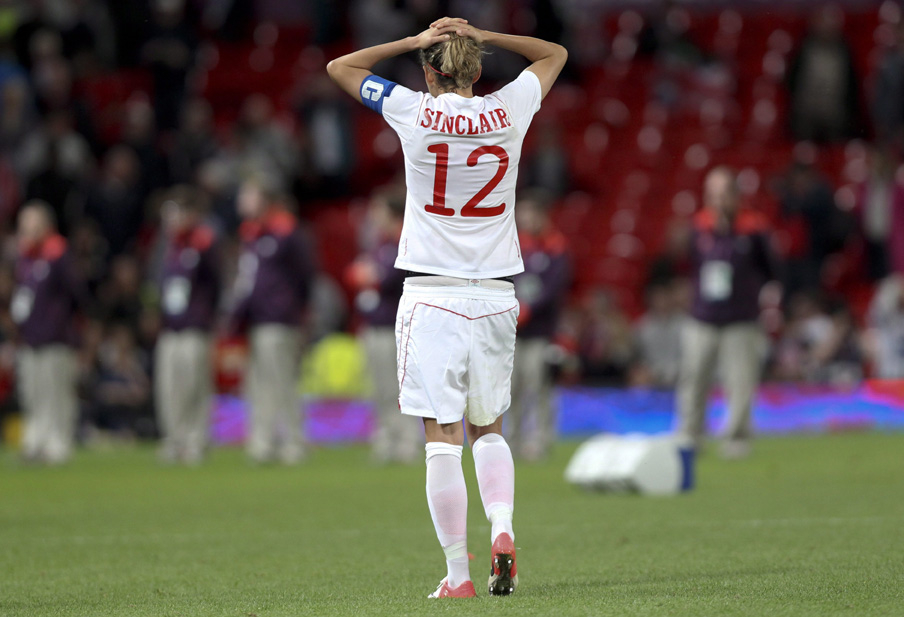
(808, 526)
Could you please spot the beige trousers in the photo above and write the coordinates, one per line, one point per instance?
(273, 370)
(183, 389)
(47, 385)
(530, 420)
(398, 437)
(737, 348)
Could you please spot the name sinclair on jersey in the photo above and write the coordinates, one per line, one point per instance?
(492, 120)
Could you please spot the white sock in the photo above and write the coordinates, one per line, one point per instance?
(447, 497)
(496, 478)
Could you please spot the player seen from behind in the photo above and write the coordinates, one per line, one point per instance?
(455, 329)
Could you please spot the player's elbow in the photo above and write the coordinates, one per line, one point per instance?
(334, 69)
(560, 53)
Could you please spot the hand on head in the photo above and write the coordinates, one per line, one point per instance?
(438, 32)
(443, 22)
(459, 26)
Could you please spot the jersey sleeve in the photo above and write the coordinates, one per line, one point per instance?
(522, 97)
(398, 105)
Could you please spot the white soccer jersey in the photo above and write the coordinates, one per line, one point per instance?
(461, 168)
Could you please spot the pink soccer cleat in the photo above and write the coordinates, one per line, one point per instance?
(465, 590)
(504, 570)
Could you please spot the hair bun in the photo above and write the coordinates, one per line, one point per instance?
(457, 62)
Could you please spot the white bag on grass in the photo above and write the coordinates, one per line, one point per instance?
(651, 465)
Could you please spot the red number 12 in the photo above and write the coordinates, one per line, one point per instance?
(442, 170)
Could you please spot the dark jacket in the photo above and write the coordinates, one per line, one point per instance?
(48, 295)
(542, 287)
(379, 306)
(275, 272)
(729, 269)
(190, 285)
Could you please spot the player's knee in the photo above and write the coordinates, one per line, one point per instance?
(476, 432)
(443, 433)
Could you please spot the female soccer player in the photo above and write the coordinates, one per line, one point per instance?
(455, 329)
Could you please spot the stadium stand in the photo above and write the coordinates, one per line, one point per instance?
(654, 98)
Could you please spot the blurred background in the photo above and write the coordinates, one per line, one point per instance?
(107, 104)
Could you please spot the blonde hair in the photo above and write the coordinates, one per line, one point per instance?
(456, 62)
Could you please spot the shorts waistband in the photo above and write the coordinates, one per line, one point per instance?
(424, 280)
(506, 279)
(432, 287)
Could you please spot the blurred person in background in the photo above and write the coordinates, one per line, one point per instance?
(119, 293)
(379, 286)
(807, 326)
(819, 343)
(89, 253)
(377, 21)
(659, 333)
(838, 361)
(807, 200)
(880, 207)
(888, 94)
(54, 89)
(822, 81)
(327, 121)
(120, 390)
(61, 189)
(674, 261)
(606, 346)
(272, 291)
(44, 307)
(219, 179)
(195, 142)
(328, 310)
(139, 132)
(732, 262)
(189, 296)
(169, 53)
(116, 201)
(263, 142)
(17, 112)
(81, 25)
(665, 36)
(884, 340)
(57, 153)
(548, 165)
(541, 291)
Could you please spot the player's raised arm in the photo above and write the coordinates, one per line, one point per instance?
(547, 58)
(350, 70)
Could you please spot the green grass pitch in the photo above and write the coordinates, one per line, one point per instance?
(807, 526)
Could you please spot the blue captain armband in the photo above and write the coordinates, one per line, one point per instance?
(374, 90)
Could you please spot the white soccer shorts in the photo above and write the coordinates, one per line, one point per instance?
(456, 348)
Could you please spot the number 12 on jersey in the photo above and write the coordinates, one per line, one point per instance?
(471, 208)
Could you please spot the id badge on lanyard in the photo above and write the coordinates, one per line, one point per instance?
(21, 305)
(176, 295)
(716, 280)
